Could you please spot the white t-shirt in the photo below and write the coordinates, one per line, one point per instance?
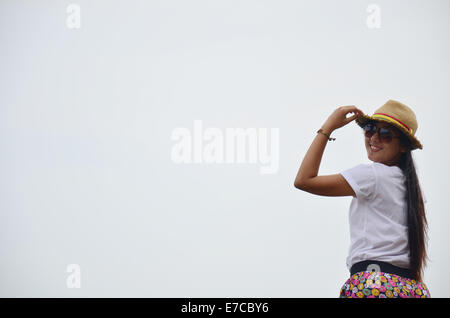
(378, 224)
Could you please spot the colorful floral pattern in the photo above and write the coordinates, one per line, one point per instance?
(382, 285)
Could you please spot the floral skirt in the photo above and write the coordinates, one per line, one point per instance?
(382, 285)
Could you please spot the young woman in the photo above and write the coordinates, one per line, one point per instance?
(387, 218)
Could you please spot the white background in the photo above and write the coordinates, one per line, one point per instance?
(86, 117)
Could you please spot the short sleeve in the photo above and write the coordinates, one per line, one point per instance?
(362, 179)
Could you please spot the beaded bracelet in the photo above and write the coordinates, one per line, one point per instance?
(328, 136)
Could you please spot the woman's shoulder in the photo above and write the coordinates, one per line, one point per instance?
(382, 169)
(375, 169)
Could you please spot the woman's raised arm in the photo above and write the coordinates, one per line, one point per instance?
(307, 179)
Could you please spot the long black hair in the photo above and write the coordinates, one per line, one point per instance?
(416, 218)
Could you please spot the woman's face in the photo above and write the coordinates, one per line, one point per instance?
(388, 153)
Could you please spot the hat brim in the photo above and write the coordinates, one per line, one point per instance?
(415, 143)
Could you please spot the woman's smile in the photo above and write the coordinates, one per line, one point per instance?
(374, 148)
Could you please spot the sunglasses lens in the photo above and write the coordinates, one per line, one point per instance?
(385, 135)
(369, 129)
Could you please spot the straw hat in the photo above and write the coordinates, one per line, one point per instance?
(397, 114)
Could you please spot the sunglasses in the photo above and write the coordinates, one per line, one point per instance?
(384, 134)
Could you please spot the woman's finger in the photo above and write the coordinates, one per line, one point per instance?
(352, 108)
(348, 107)
(350, 118)
(356, 110)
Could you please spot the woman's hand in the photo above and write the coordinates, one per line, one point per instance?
(339, 118)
